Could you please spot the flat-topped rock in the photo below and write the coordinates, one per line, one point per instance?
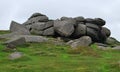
(15, 41)
(32, 38)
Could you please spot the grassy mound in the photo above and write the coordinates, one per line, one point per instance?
(55, 57)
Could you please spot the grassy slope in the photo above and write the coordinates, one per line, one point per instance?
(48, 57)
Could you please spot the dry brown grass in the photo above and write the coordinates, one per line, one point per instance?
(83, 50)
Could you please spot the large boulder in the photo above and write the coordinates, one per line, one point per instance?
(49, 24)
(106, 30)
(70, 20)
(39, 19)
(64, 28)
(35, 19)
(48, 32)
(42, 25)
(15, 41)
(99, 21)
(80, 19)
(43, 28)
(93, 26)
(93, 34)
(22, 39)
(89, 20)
(38, 26)
(102, 36)
(19, 28)
(80, 30)
(82, 41)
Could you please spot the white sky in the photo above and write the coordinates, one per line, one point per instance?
(21, 10)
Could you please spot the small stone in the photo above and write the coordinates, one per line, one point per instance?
(15, 55)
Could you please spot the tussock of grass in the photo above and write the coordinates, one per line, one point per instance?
(83, 50)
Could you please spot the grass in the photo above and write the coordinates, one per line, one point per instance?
(51, 57)
(4, 31)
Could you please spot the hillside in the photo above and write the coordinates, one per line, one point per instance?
(57, 57)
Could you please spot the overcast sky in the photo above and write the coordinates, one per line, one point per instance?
(21, 10)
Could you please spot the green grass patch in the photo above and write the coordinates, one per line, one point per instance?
(51, 57)
(4, 32)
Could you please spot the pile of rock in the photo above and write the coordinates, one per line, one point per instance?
(76, 31)
(68, 27)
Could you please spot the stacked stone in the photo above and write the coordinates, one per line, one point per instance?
(68, 27)
(40, 24)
